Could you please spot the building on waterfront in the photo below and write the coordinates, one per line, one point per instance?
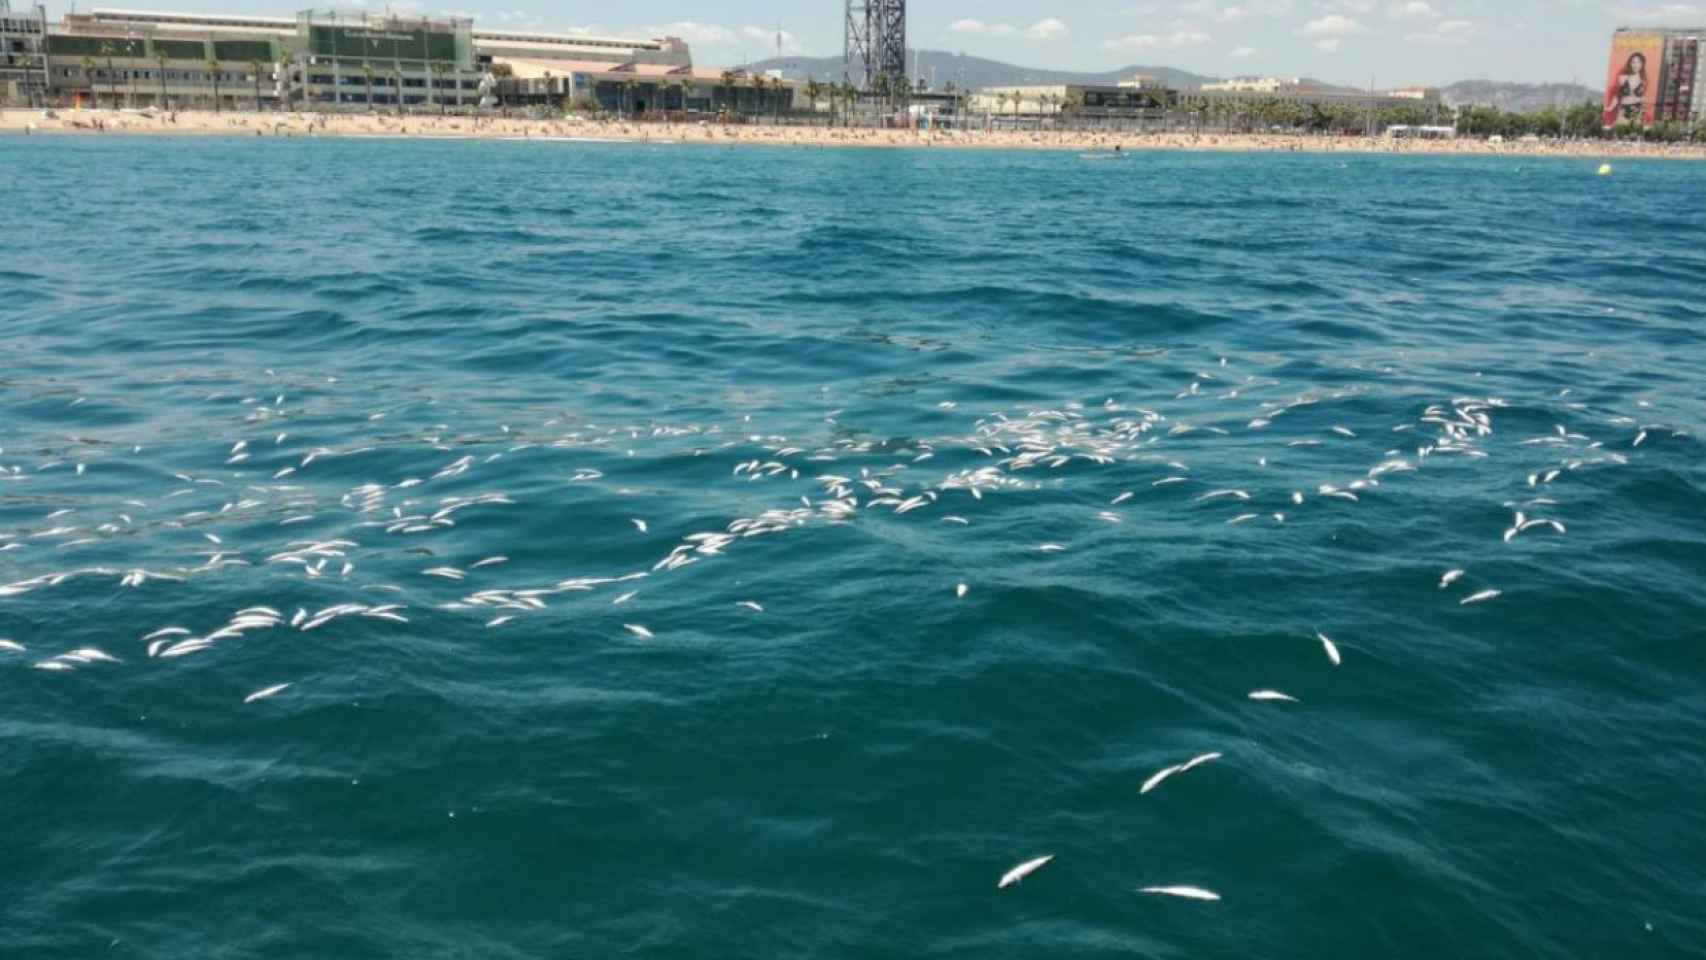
(641, 88)
(361, 60)
(135, 58)
(1314, 105)
(625, 76)
(317, 59)
(1653, 77)
(514, 45)
(1141, 102)
(382, 61)
(1084, 104)
(23, 54)
(123, 58)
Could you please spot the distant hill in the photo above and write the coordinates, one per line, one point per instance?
(1517, 97)
(975, 72)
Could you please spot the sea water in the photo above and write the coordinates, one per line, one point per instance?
(606, 509)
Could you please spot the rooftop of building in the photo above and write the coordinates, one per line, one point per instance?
(572, 39)
(174, 17)
(1667, 31)
(180, 18)
(527, 69)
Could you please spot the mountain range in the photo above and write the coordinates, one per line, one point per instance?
(1518, 97)
(974, 72)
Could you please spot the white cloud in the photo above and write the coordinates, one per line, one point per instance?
(1241, 53)
(1329, 32)
(1048, 28)
(1149, 41)
(1331, 25)
(1414, 10)
(1235, 12)
(1450, 32)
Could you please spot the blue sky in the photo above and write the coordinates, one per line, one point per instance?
(1395, 42)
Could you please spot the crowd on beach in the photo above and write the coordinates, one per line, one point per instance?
(494, 126)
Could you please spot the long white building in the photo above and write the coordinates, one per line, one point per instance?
(320, 59)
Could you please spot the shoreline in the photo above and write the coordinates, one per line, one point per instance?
(575, 129)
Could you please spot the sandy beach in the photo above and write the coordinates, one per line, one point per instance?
(187, 123)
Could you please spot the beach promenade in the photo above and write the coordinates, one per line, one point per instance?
(228, 123)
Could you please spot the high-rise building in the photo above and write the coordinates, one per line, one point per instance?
(23, 53)
(1653, 77)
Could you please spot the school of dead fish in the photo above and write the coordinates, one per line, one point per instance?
(842, 481)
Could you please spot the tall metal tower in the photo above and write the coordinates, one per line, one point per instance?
(875, 43)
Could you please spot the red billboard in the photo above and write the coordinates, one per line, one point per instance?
(1632, 83)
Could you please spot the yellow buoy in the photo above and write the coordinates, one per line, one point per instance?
(1605, 169)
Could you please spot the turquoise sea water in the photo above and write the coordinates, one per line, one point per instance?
(300, 375)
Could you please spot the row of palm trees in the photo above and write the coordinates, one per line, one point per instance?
(1063, 105)
(108, 52)
(732, 83)
(842, 97)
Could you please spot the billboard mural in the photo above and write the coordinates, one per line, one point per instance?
(1632, 83)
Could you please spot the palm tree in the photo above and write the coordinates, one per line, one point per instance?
(395, 75)
(89, 75)
(213, 71)
(1018, 99)
(112, 77)
(255, 68)
(626, 93)
(1074, 103)
(728, 79)
(367, 74)
(160, 58)
(439, 68)
(758, 98)
(776, 86)
(813, 91)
